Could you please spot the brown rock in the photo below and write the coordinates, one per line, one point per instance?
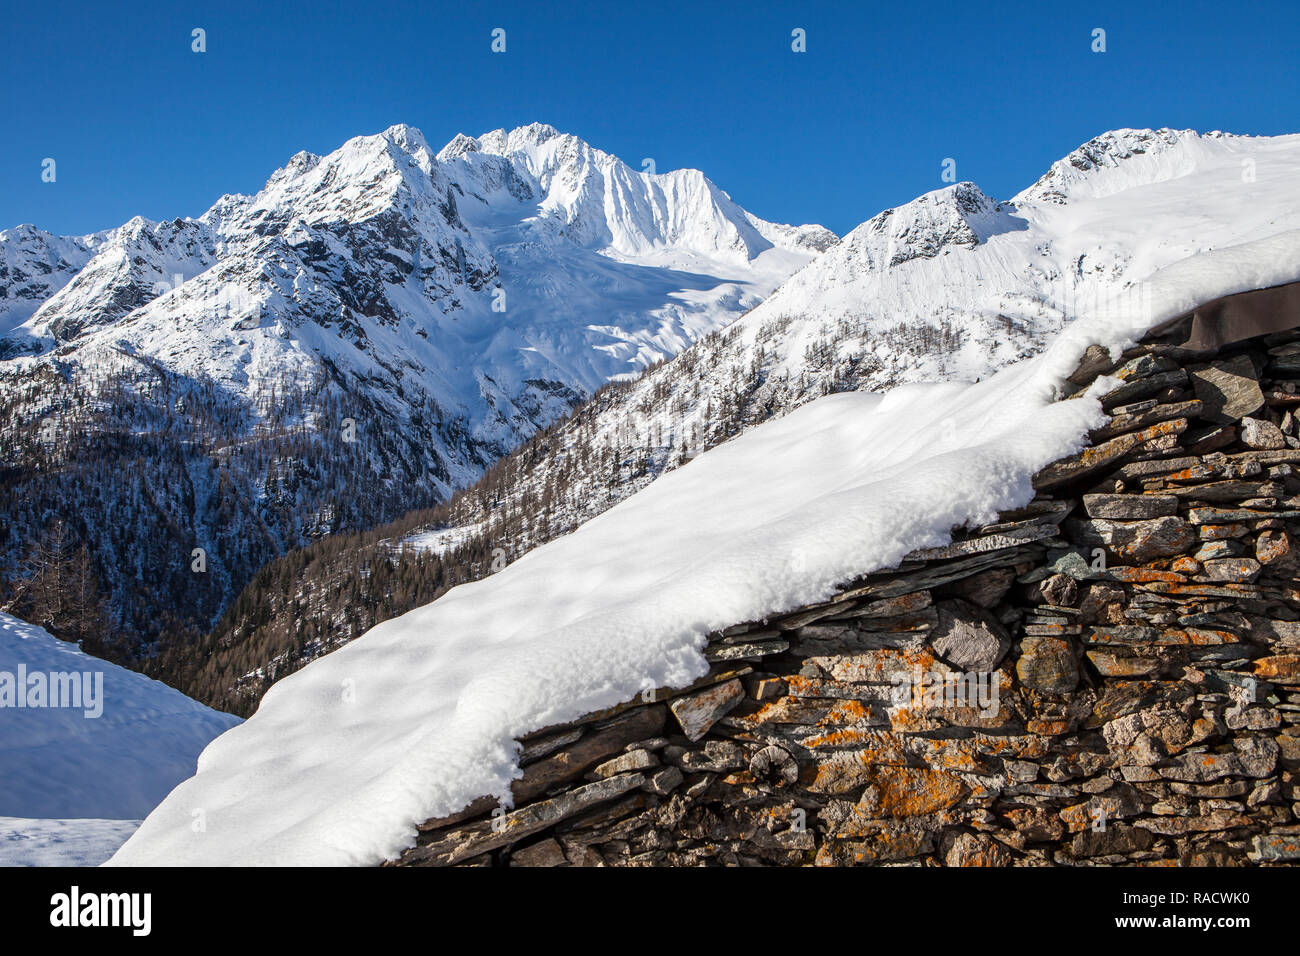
(696, 713)
(632, 760)
(1272, 546)
(459, 845)
(984, 589)
(894, 792)
(1060, 590)
(888, 842)
(1103, 604)
(664, 781)
(1279, 669)
(1036, 824)
(1232, 569)
(1109, 664)
(1117, 839)
(1047, 665)
(542, 853)
(1096, 457)
(1095, 361)
(969, 849)
(1137, 541)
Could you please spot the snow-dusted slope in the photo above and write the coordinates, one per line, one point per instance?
(114, 756)
(129, 269)
(952, 285)
(420, 716)
(485, 288)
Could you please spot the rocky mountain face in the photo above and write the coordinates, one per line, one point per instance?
(34, 265)
(1108, 676)
(951, 285)
(365, 335)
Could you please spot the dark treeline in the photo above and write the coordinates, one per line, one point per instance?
(178, 492)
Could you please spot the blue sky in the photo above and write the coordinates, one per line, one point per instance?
(139, 124)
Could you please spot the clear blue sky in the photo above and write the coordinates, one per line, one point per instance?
(138, 124)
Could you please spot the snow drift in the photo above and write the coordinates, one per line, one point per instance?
(60, 762)
(420, 716)
(75, 780)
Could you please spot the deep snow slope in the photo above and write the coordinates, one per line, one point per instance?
(951, 286)
(114, 757)
(419, 716)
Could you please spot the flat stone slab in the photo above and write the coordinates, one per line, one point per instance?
(696, 713)
(1228, 390)
(1130, 507)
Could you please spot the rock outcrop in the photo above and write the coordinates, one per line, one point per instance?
(1110, 675)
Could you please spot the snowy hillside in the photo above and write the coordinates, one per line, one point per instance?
(951, 286)
(109, 755)
(419, 716)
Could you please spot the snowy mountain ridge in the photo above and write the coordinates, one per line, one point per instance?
(496, 281)
(364, 335)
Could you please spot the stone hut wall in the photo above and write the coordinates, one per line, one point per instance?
(1110, 675)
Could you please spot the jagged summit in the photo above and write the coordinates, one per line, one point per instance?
(1121, 158)
(960, 215)
(449, 304)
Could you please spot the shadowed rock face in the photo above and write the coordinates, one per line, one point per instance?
(1108, 676)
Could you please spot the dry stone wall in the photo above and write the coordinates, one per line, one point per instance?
(1110, 675)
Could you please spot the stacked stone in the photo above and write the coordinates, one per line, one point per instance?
(1139, 622)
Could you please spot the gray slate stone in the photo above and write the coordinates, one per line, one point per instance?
(1228, 389)
(968, 637)
(1130, 507)
(1261, 435)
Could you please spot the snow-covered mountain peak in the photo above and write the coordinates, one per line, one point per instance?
(407, 138)
(481, 290)
(960, 215)
(129, 269)
(35, 264)
(364, 177)
(460, 145)
(504, 142)
(1122, 158)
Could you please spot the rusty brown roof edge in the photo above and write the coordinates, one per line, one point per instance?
(1233, 318)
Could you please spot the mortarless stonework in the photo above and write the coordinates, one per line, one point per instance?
(1110, 675)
